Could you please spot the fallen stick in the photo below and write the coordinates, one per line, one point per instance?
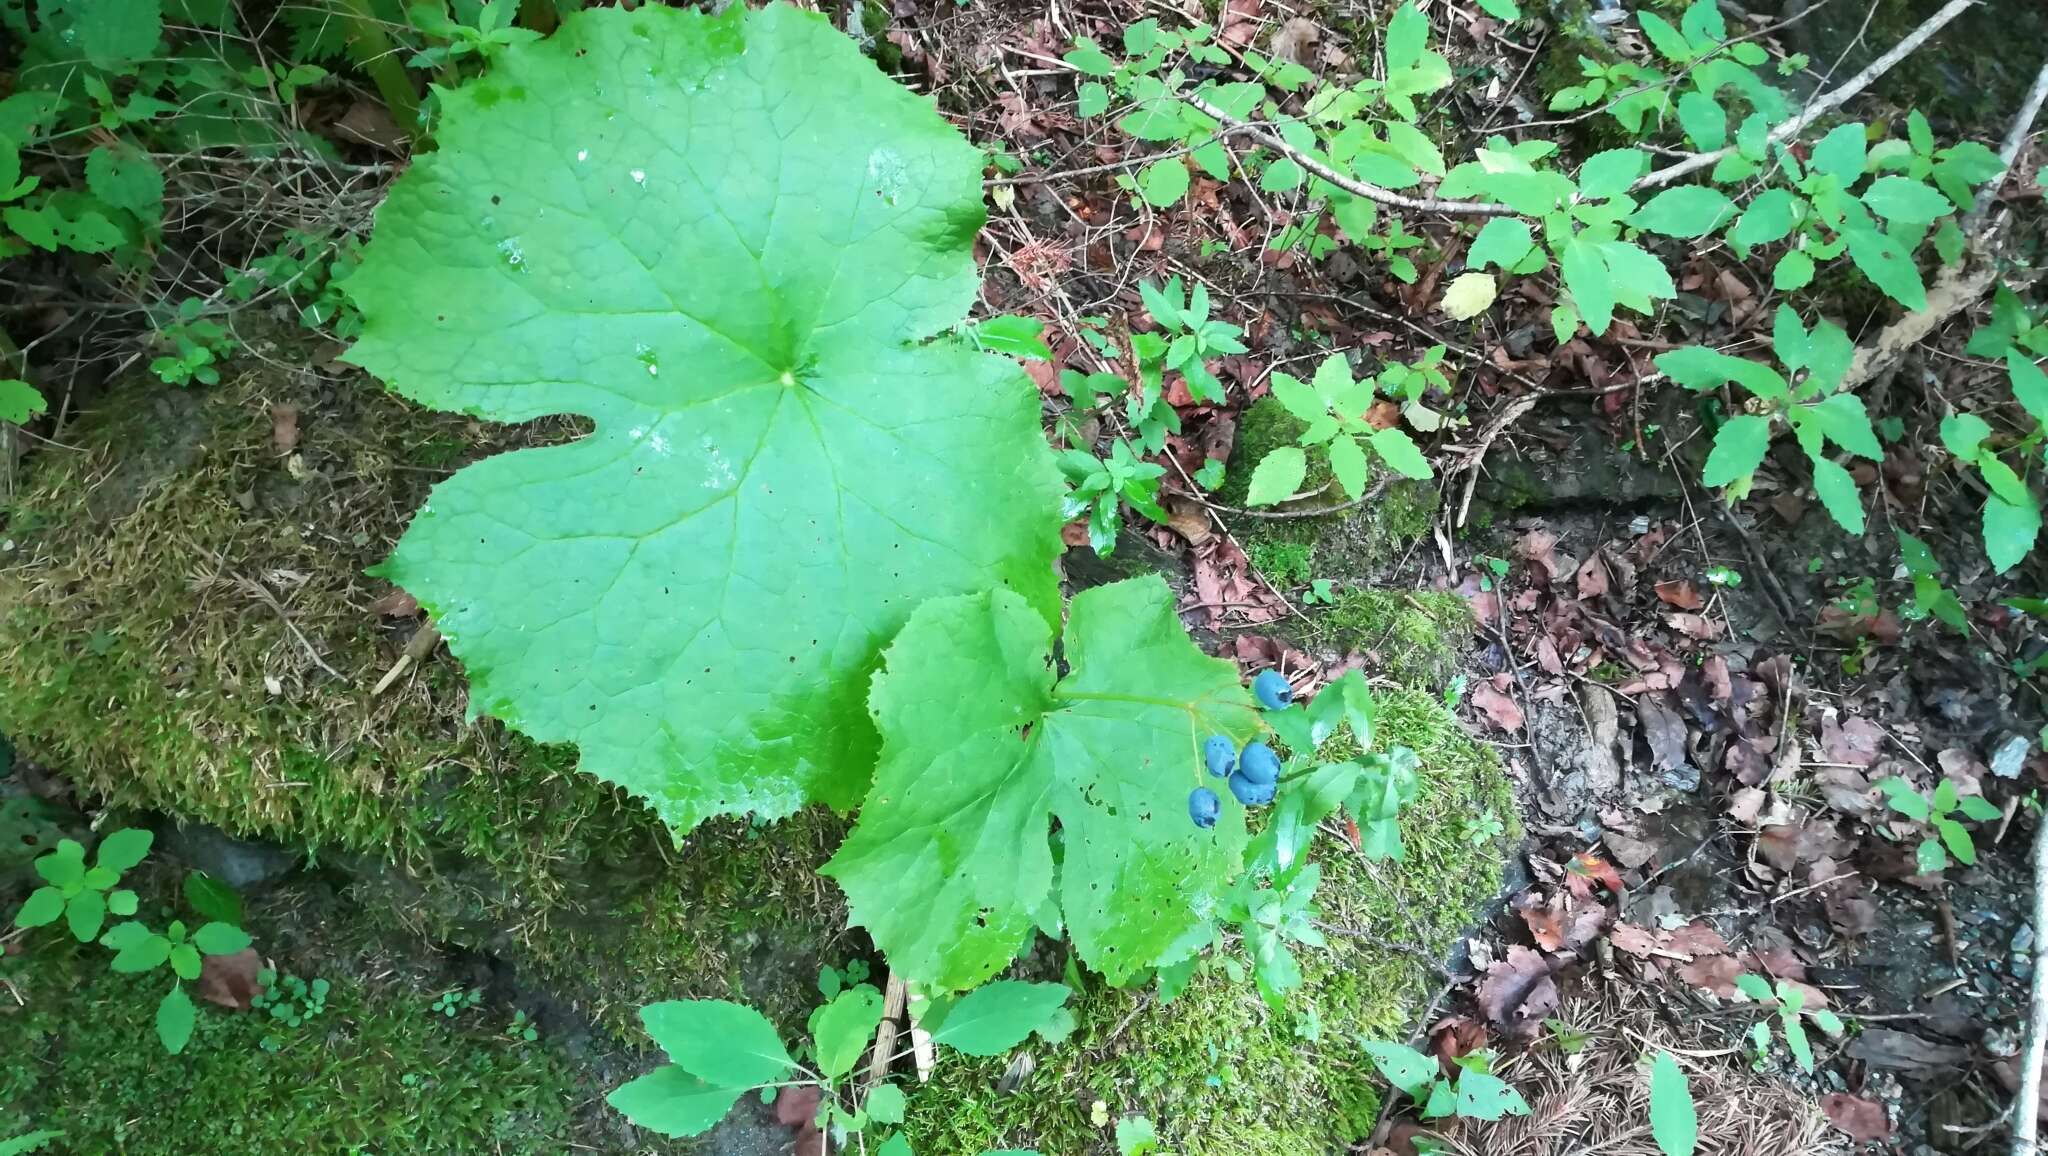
(1955, 288)
(2026, 1120)
(1826, 104)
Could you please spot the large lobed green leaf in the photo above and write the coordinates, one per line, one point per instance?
(983, 745)
(725, 241)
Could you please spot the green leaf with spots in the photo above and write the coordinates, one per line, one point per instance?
(1837, 492)
(734, 246)
(984, 745)
(1889, 265)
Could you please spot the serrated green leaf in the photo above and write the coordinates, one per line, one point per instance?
(85, 914)
(1586, 275)
(1668, 41)
(983, 747)
(220, 939)
(1407, 37)
(1841, 153)
(1348, 464)
(1609, 174)
(1088, 58)
(1638, 278)
(727, 1043)
(1768, 219)
(1889, 265)
(1704, 120)
(1837, 492)
(42, 908)
(734, 283)
(1403, 1066)
(1963, 434)
(1135, 1136)
(1980, 808)
(996, 1017)
(110, 33)
(1793, 271)
(1502, 242)
(1281, 176)
(1904, 199)
(1754, 987)
(1469, 295)
(1843, 419)
(1485, 1096)
(1685, 211)
(1277, 476)
(1929, 858)
(1399, 451)
(1674, 1122)
(842, 1029)
(175, 1018)
(213, 899)
(123, 849)
(1164, 183)
(126, 178)
(1506, 10)
(672, 1102)
(185, 961)
(2029, 384)
(885, 1104)
(145, 953)
(2009, 532)
(1739, 447)
(1091, 98)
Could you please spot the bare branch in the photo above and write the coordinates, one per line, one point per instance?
(2027, 1112)
(1825, 104)
(2015, 139)
(1357, 188)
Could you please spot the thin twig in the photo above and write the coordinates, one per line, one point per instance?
(1357, 188)
(2015, 139)
(1825, 104)
(2027, 1119)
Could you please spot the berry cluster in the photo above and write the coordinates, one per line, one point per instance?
(1253, 774)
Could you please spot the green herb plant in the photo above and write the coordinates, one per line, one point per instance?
(455, 1001)
(84, 896)
(1804, 398)
(2012, 511)
(1338, 414)
(1101, 487)
(720, 1051)
(1789, 1003)
(140, 951)
(289, 1001)
(1471, 1091)
(1930, 598)
(1943, 810)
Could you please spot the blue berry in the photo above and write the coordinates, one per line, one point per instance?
(1272, 690)
(1258, 764)
(1220, 754)
(1249, 793)
(1204, 806)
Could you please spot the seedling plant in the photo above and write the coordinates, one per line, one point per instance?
(1943, 810)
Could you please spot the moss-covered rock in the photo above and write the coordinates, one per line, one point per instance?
(1216, 1071)
(1350, 545)
(1412, 637)
(375, 1072)
(185, 627)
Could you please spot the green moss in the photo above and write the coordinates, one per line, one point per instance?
(1261, 429)
(1218, 1072)
(1415, 635)
(1284, 563)
(138, 660)
(375, 1072)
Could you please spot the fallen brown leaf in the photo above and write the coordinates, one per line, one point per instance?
(1500, 709)
(1862, 1119)
(1683, 595)
(230, 980)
